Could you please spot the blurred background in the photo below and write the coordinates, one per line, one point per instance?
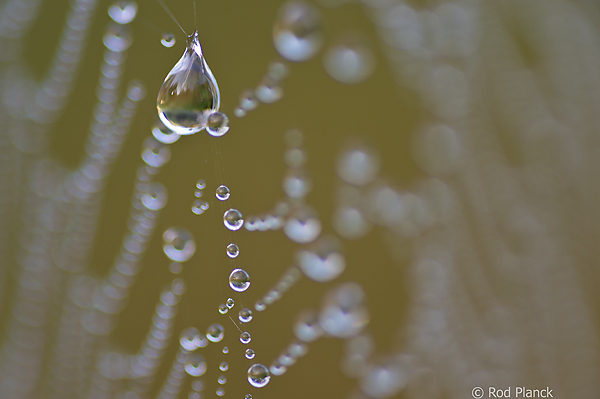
(416, 180)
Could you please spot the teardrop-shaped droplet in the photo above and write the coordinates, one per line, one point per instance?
(189, 93)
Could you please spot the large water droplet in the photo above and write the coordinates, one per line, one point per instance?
(195, 365)
(215, 333)
(233, 251)
(297, 31)
(258, 375)
(303, 225)
(323, 261)
(123, 11)
(168, 39)
(233, 219)
(189, 93)
(179, 244)
(239, 280)
(217, 124)
(350, 61)
(245, 315)
(222, 193)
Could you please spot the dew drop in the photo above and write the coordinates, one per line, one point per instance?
(245, 315)
(297, 31)
(175, 267)
(249, 353)
(195, 365)
(268, 91)
(222, 380)
(123, 11)
(248, 396)
(117, 38)
(220, 391)
(277, 368)
(155, 197)
(303, 225)
(201, 184)
(223, 309)
(215, 333)
(344, 314)
(190, 339)
(358, 165)
(164, 134)
(155, 153)
(239, 280)
(248, 100)
(239, 112)
(233, 251)
(296, 184)
(189, 93)
(223, 366)
(199, 207)
(350, 61)
(230, 303)
(258, 375)
(277, 70)
(179, 244)
(260, 306)
(222, 193)
(168, 39)
(217, 124)
(323, 261)
(307, 328)
(225, 350)
(297, 349)
(233, 220)
(245, 337)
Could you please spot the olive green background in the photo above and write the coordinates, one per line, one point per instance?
(237, 43)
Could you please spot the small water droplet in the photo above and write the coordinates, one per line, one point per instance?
(198, 385)
(190, 339)
(239, 280)
(164, 134)
(297, 349)
(233, 219)
(277, 70)
(195, 365)
(296, 184)
(239, 112)
(225, 350)
(199, 207)
(222, 380)
(233, 251)
(155, 197)
(222, 193)
(358, 165)
(217, 124)
(277, 368)
(175, 267)
(268, 91)
(155, 153)
(297, 32)
(220, 391)
(343, 314)
(223, 366)
(245, 315)
(179, 244)
(303, 225)
(260, 306)
(168, 39)
(350, 61)
(215, 333)
(223, 309)
(245, 337)
(323, 261)
(117, 38)
(307, 326)
(201, 184)
(230, 303)
(249, 354)
(123, 11)
(189, 93)
(258, 375)
(248, 396)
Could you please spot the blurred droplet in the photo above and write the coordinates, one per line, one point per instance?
(179, 244)
(297, 32)
(168, 39)
(350, 60)
(123, 11)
